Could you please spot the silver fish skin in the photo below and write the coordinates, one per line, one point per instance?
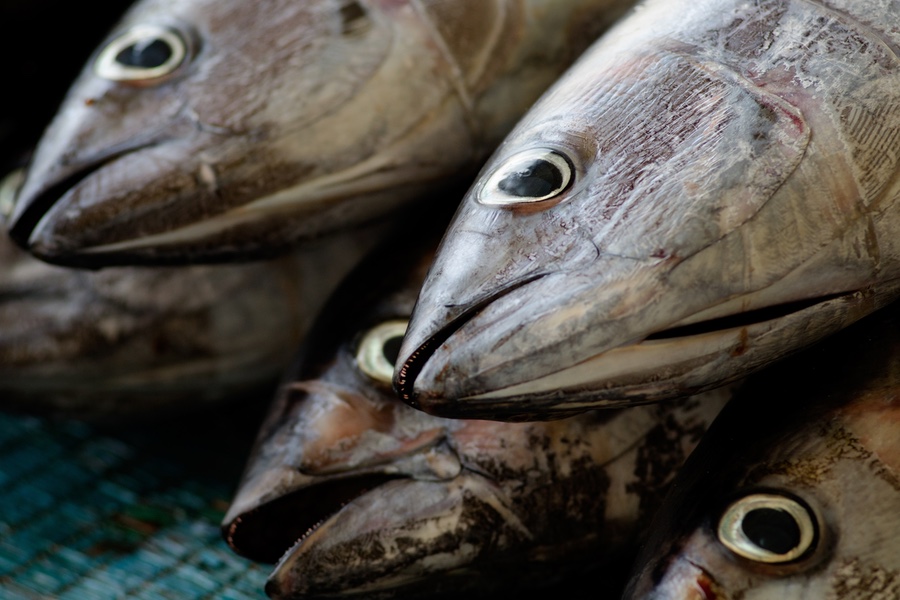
(284, 120)
(127, 342)
(362, 496)
(733, 195)
(820, 434)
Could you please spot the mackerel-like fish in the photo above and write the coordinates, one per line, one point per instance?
(795, 491)
(214, 129)
(129, 341)
(362, 496)
(712, 186)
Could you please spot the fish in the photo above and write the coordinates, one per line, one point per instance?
(141, 342)
(217, 130)
(709, 189)
(794, 492)
(352, 493)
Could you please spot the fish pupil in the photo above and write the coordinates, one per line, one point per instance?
(535, 179)
(145, 54)
(391, 349)
(771, 529)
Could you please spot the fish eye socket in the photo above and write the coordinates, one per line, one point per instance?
(378, 351)
(529, 177)
(769, 528)
(142, 54)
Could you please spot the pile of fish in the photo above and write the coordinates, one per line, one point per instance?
(675, 226)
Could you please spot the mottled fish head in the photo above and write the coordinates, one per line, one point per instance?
(355, 494)
(795, 494)
(211, 129)
(658, 224)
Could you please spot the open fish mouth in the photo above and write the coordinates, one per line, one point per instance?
(278, 528)
(694, 354)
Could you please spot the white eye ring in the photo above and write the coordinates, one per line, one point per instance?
(371, 357)
(778, 510)
(528, 177)
(109, 66)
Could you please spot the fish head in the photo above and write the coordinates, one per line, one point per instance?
(640, 236)
(800, 502)
(198, 127)
(353, 492)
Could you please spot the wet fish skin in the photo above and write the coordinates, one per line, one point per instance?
(392, 502)
(821, 427)
(728, 157)
(129, 342)
(250, 145)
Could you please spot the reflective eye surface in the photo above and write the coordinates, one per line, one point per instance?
(379, 348)
(144, 53)
(769, 528)
(532, 176)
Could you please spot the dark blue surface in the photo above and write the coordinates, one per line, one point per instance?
(91, 512)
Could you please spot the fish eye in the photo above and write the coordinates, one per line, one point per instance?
(528, 177)
(142, 54)
(378, 351)
(770, 528)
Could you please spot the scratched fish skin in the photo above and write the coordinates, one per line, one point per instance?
(388, 501)
(130, 341)
(733, 193)
(822, 431)
(284, 120)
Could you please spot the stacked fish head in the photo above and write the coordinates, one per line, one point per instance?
(795, 490)
(355, 494)
(711, 187)
(215, 130)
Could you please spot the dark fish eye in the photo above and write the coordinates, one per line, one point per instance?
(768, 527)
(377, 352)
(528, 177)
(142, 54)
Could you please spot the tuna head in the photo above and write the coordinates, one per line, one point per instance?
(694, 199)
(214, 129)
(363, 496)
(796, 491)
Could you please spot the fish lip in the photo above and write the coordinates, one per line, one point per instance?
(543, 397)
(405, 376)
(276, 543)
(25, 221)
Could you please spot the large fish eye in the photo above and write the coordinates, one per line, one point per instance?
(769, 528)
(528, 177)
(142, 54)
(377, 352)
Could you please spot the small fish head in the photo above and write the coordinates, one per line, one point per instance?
(794, 491)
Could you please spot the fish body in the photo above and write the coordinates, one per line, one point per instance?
(795, 490)
(129, 341)
(711, 187)
(221, 129)
(355, 494)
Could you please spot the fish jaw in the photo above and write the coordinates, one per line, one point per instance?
(716, 222)
(409, 531)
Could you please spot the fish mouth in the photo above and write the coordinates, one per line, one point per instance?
(25, 220)
(677, 360)
(279, 527)
(408, 370)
